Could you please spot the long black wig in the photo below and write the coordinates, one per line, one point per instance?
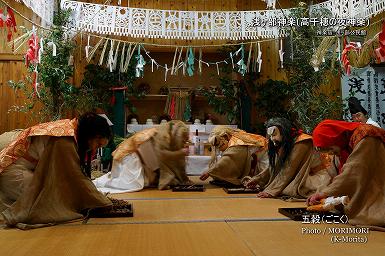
(90, 126)
(288, 132)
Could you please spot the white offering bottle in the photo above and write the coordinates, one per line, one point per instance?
(196, 141)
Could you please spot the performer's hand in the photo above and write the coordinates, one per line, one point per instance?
(188, 182)
(249, 182)
(185, 151)
(204, 176)
(264, 195)
(315, 198)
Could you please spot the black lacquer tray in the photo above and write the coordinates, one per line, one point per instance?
(188, 188)
(241, 190)
(120, 208)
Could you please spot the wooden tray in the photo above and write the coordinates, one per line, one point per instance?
(188, 188)
(241, 190)
(224, 184)
(119, 208)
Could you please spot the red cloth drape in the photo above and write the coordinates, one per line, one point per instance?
(345, 135)
(335, 133)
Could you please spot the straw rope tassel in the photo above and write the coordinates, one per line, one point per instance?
(127, 61)
(178, 61)
(92, 52)
(173, 61)
(200, 61)
(122, 55)
(103, 52)
(115, 62)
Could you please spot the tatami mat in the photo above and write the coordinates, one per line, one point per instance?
(204, 210)
(154, 193)
(198, 239)
(188, 223)
(286, 238)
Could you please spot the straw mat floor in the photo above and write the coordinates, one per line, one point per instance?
(189, 223)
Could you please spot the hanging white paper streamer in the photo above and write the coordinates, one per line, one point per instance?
(338, 49)
(200, 61)
(41, 49)
(165, 73)
(152, 65)
(179, 63)
(128, 57)
(93, 50)
(71, 60)
(122, 58)
(204, 62)
(173, 61)
(281, 53)
(232, 60)
(103, 52)
(87, 48)
(238, 51)
(110, 60)
(259, 59)
(51, 44)
(36, 82)
(115, 63)
(270, 3)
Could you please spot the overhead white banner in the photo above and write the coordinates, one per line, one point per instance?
(368, 85)
(230, 25)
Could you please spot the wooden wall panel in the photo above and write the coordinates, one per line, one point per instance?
(12, 67)
(156, 80)
(9, 120)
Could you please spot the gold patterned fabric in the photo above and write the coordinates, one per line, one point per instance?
(166, 143)
(243, 138)
(19, 147)
(237, 159)
(56, 192)
(132, 144)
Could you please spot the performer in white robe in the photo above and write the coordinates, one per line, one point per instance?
(150, 158)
